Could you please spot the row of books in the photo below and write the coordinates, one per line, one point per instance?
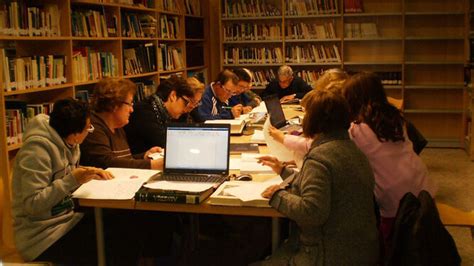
(263, 77)
(311, 7)
(250, 8)
(169, 57)
(138, 25)
(304, 30)
(91, 23)
(358, 30)
(19, 18)
(20, 73)
(141, 3)
(310, 76)
(169, 27)
(193, 7)
(312, 54)
(90, 64)
(140, 59)
(353, 6)
(390, 78)
(253, 55)
(18, 114)
(145, 88)
(251, 31)
(170, 5)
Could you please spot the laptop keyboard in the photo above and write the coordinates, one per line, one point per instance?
(194, 178)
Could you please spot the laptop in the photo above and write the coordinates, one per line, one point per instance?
(277, 117)
(197, 153)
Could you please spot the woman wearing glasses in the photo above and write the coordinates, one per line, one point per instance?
(45, 174)
(173, 98)
(107, 146)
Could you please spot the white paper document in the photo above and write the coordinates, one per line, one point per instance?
(258, 137)
(127, 181)
(249, 166)
(276, 148)
(180, 186)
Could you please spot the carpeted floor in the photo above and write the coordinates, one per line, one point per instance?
(454, 174)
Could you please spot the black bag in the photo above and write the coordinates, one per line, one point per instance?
(419, 142)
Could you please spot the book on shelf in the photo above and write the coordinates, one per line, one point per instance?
(145, 194)
(260, 8)
(311, 7)
(145, 89)
(193, 7)
(138, 25)
(140, 59)
(353, 6)
(169, 27)
(20, 18)
(20, 73)
(90, 64)
(358, 30)
(169, 57)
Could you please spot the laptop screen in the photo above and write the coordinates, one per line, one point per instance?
(277, 117)
(197, 149)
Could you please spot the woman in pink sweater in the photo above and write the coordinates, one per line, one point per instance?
(378, 129)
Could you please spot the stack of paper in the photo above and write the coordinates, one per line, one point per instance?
(236, 125)
(248, 164)
(126, 182)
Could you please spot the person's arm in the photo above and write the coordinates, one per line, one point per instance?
(39, 191)
(297, 143)
(312, 207)
(97, 151)
(302, 88)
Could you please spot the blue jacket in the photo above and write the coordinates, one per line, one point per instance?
(212, 108)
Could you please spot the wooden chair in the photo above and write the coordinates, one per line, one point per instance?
(451, 216)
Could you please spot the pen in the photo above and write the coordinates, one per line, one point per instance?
(227, 107)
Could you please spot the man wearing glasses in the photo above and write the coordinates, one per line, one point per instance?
(287, 86)
(215, 100)
(246, 97)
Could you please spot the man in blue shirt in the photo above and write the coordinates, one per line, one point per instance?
(214, 102)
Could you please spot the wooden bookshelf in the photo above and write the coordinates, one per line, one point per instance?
(71, 39)
(424, 42)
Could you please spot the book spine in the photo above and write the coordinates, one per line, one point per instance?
(166, 197)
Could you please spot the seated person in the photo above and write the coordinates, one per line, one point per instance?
(45, 174)
(330, 201)
(215, 101)
(246, 97)
(192, 113)
(147, 127)
(379, 130)
(287, 87)
(107, 146)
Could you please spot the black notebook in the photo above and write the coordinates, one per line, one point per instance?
(238, 148)
(157, 195)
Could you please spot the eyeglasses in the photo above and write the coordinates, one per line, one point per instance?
(90, 130)
(228, 91)
(127, 103)
(189, 101)
(185, 100)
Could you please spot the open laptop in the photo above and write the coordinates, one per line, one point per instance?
(197, 153)
(277, 117)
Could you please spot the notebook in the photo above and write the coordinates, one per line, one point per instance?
(196, 153)
(277, 117)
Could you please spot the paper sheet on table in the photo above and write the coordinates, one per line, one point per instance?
(248, 191)
(251, 167)
(257, 137)
(261, 108)
(276, 148)
(126, 182)
(180, 186)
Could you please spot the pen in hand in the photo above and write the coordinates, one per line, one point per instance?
(227, 107)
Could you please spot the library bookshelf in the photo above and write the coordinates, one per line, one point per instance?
(58, 48)
(418, 47)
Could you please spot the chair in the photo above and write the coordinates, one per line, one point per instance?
(451, 216)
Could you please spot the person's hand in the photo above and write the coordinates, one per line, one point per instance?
(236, 110)
(157, 164)
(246, 109)
(84, 174)
(273, 162)
(269, 191)
(287, 98)
(257, 100)
(277, 134)
(152, 150)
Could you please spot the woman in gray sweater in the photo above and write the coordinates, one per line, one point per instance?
(45, 174)
(330, 201)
